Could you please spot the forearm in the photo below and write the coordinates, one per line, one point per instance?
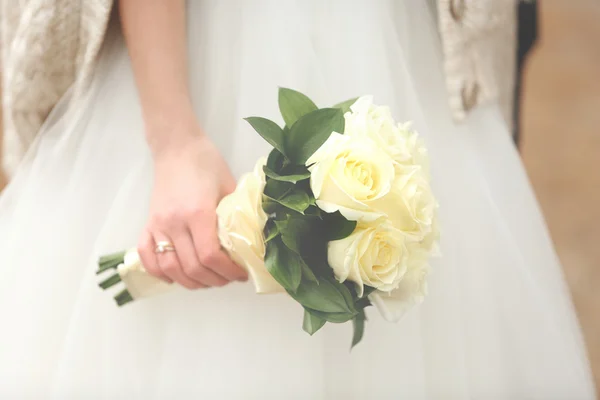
(155, 33)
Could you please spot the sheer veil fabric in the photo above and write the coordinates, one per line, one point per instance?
(498, 322)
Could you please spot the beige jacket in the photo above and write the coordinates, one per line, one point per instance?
(47, 46)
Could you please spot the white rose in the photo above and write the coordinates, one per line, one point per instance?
(410, 206)
(401, 143)
(416, 152)
(411, 290)
(348, 174)
(373, 255)
(241, 224)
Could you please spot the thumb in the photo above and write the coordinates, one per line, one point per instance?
(228, 183)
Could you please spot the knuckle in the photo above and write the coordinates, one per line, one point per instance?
(195, 212)
(168, 219)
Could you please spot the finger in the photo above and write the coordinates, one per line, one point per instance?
(146, 250)
(228, 183)
(190, 264)
(208, 249)
(169, 264)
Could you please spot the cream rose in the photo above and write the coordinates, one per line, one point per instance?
(411, 290)
(348, 174)
(410, 205)
(373, 255)
(241, 224)
(398, 140)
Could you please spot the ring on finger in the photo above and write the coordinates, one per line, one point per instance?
(163, 247)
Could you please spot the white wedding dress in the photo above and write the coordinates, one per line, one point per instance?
(498, 322)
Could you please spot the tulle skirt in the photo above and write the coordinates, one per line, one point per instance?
(498, 322)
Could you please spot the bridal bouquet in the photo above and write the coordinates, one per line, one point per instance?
(339, 216)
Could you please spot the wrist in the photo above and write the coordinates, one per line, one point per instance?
(169, 130)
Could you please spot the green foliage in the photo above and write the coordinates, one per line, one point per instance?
(325, 296)
(283, 264)
(275, 161)
(335, 318)
(310, 132)
(312, 323)
(293, 105)
(345, 105)
(294, 229)
(358, 324)
(293, 178)
(336, 226)
(271, 231)
(269, 130)
(297, 231)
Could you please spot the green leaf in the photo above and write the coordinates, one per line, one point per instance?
(312, 323)
(283, 264)
(336, 318)
(275, 160)
(269, 130)
(278, 189)
(345, 105)
(359, 327)
(323, 296)
(337, 226)
(295, 200)
(310, 132)
(286, 178)
(348, 296)
(308, 274)
(313, 211)
(271, 231)
(363, 301)
(293, 105)
(269, 205)
(294, 231)
(367, 291)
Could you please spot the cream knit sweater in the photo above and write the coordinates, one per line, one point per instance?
(48, 46)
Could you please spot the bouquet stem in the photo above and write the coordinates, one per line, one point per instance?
(123, 297)
(108, 262)
(111, 281)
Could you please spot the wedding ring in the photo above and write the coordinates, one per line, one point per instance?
(163, 247)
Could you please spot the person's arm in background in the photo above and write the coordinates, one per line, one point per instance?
(190, 174)
(527, 15)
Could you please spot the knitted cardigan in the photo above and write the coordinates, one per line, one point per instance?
(46, 47)
(49, 46)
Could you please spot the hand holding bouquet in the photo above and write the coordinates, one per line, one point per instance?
(340, 215)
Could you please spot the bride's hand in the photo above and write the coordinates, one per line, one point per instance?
(191, 178)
